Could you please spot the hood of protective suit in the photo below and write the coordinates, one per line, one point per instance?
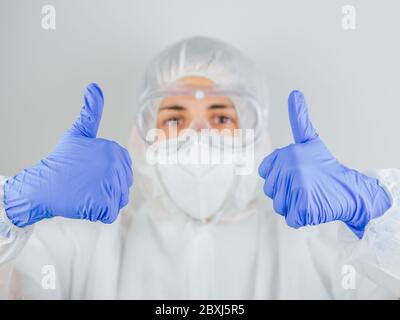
(225, 66)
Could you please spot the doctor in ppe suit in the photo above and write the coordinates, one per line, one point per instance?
(71, 227)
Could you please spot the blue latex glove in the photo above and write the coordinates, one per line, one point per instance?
(83, 178)
(309, 186)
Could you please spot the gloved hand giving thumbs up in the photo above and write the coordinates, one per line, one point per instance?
(309, 186)
(83, 178)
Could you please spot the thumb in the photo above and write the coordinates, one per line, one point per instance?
(300, 122)
(88, 121)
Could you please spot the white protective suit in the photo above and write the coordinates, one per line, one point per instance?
(155, 251)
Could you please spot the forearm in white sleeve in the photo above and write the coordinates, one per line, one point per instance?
(65, 244)
(377, 254)
(12, 238)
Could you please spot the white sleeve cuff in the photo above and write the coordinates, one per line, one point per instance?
(377, 254)
(7, 228)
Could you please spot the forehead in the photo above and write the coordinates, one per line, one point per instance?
(190, 100)
(196, 81)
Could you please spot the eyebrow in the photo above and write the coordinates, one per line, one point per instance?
(173, 107)
(220, 106)
(181, 108)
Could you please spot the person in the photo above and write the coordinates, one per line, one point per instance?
(72, 228)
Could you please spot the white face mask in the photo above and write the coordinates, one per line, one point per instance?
(199, 189)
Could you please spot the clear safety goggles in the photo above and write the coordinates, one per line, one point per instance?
(219, 105)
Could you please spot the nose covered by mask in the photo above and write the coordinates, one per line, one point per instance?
(195, 176)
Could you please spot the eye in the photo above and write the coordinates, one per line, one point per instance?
(173, 122)
(222, 120)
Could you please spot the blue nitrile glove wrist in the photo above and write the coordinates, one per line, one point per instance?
(309, 186)
(83, 178)
(372, 203)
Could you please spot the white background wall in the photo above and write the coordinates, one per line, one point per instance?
(350, 78)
